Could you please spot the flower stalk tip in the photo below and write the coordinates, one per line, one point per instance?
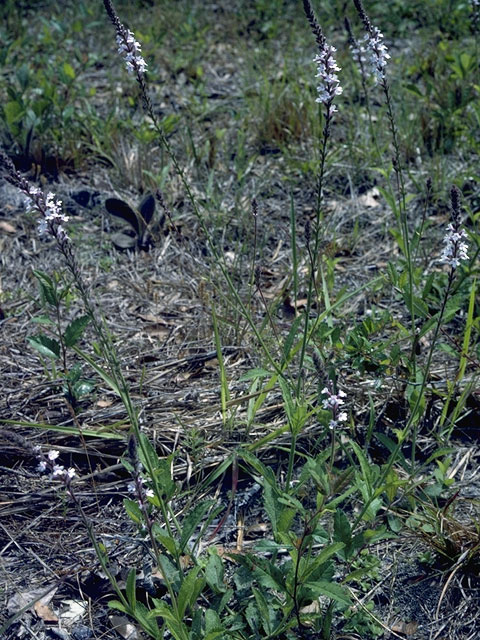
(455, 249)
(327, 67)
(333, 402)
(128, 47)
(371, 48)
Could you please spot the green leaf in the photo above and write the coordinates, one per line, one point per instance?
(106, 377)
(150, 626)
(272, 507)
(82, 387)
(269, 546)
(75, 330)
(160, 469)
(165, 539)
(189, 591)
(264, 609)
(364, 464)
(116, 604)
(45, 345)
(42, 320)
(47, 288)
(325, 554)
(130, 588)
(329, 589)
(13, 111)
(342, 531)
(213, 624)
(133, 510)
(191, 522)
(176, 627)
(290, 338)
(214, 573)
(68, 70)
(253, 374)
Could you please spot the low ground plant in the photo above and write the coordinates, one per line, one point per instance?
(328, 500)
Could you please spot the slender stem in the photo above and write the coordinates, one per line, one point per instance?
(314, 260)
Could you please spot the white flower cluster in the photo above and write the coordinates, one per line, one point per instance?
(359, 52)
(377, 52)
(52, 213)
(326, 71)
(333, 402)
(130, 49)
(57, 470)
(455, 249)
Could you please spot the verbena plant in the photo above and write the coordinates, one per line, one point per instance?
(324, 512)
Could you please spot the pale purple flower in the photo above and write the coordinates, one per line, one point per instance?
(149, 493)
(327, 68)
(455, 249)
(333, 402)
(372, 45)
(130, 49)
(52, 216)
(58, 470)
(377, 53)
(50, 207)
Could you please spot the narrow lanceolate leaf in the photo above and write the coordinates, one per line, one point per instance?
(328, 589)
(193, 520)
(45, 345)
(190, 590)
(130, 588)
(47, 287)
(133, 511)
(75, 330)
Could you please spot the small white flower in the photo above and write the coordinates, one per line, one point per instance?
(131, 487)
(53, 454)
(58, 470)
(149, 493)
(70, 472)
(42, 465)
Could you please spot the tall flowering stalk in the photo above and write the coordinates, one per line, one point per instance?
(130, 50)
(328, 89)
(454, 253)
(51, 222)
(377, 56)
